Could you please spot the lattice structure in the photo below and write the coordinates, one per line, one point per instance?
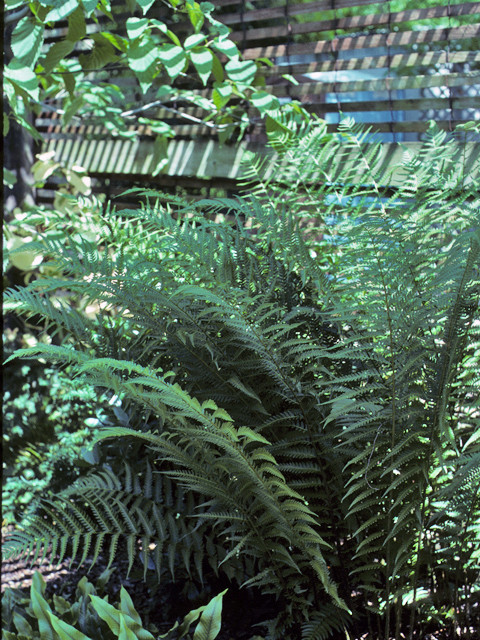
(392, 64)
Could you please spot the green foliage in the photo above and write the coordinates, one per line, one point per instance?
(312, 414)
(47, 420)
(58, 77)
(91, 617)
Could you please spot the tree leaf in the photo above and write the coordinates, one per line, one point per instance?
(77, 28)
(290, 78)
(57, 52)
(203, 61)
(194, 40)
(221, 94)
(136, 27)
(264, 101)
(145, 5)
(196, 16)
(102, 53)
(142, 58)
(160, 154)
(23, 77)
(207, 7)
(89, 6)
(6, 125)
(241, 70)
(71, 108)
(173, 58)
(62, 9)
(160, 25)
(27, 39)
(9, 178)
(227, 47)
(173, 38)
(23, 260)
(118, 42)
(217, 69)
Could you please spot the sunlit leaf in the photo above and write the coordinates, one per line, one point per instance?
(173, 58)
(194, 40)
(117, 41)
(160, 25)
(241, 70)
(221, 94)
(142, 57)
(196, 16)
(27, 39)
(89, 6)
(202, 59)
(264, 101)
(62, 9)
(136, 27)
(227, 47)
(23, 77)
(290, 78)
(145, 5)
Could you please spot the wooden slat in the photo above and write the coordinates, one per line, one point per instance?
(369, 105)
(348, 43)
(355, 22)
(383, 84)
(396, 61)
(405, 107)
(407, 126)
(293, 10)
(200, 158)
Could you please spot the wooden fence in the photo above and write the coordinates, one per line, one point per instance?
(395, 65)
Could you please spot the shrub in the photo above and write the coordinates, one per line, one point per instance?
(311, 420)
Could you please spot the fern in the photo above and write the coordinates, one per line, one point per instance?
(306, 370)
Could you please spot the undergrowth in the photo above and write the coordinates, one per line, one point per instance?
(309, 416)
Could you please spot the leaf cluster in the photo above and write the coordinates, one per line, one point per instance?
(86, 77)
(91, 617)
